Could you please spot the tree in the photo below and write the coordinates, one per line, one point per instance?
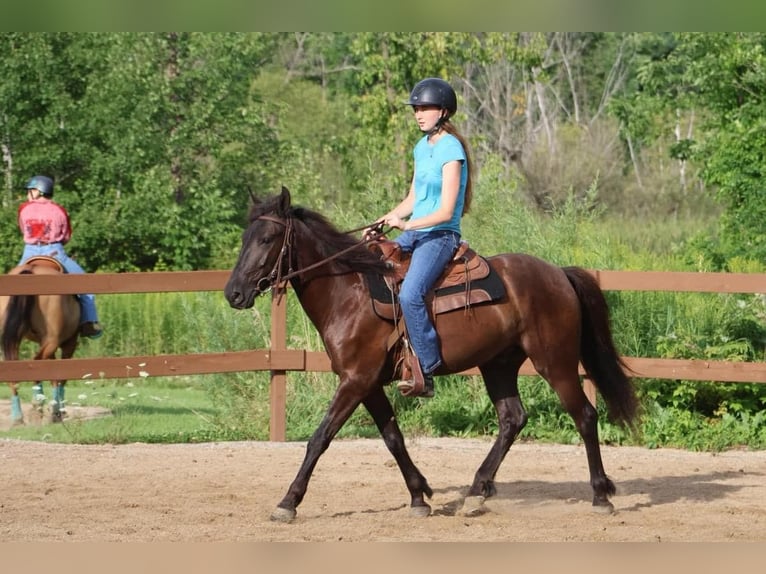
(38, 100)
(190, 134)
(723, 77)
(728, 73)
(153, 139)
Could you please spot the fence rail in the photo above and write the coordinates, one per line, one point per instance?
(280, 360)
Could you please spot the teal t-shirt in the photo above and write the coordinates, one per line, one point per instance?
(429, 160)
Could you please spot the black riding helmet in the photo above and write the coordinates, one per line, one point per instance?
(42, 184)
(434, 92)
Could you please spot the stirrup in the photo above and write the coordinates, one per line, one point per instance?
(412, 389)
(91, 330)
(419, 384)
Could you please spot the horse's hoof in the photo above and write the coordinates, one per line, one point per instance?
(603, 508)
(473, 506)
(283, 515)
(420, 511)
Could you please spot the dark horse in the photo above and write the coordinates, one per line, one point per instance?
(556, 317)
(51, 321)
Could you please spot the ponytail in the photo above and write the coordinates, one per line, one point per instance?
(448, 127)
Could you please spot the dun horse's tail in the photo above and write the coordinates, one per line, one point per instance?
(599, 357)
(17, 319)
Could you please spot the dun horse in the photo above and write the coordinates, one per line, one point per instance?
(556, 317)
(51, 321)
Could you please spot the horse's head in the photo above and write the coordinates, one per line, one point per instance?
(264, 253)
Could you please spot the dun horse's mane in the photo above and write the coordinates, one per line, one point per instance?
(316, 229)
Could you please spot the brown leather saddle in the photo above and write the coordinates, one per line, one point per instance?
(467, 280)
(45, 261)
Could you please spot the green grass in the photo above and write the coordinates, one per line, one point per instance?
(142, 411)
(236, 407)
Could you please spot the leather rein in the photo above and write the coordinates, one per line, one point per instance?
(276, 277)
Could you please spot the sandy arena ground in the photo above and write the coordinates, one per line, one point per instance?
(226, 492)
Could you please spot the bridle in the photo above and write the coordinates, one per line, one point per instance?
(276, 277)
(267, 282)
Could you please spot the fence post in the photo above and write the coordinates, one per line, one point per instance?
(278, 386)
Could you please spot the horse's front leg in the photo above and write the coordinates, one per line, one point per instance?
(382, 412)
(347, 397)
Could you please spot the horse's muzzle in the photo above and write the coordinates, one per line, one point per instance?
(240, 299)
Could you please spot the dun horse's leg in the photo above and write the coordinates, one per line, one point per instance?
(38, 394)
(57, 403)
(47, 351)
(67, 351)
(382, 412)
(511, 420)
(38, 397)
(347, 397)
(17, 415)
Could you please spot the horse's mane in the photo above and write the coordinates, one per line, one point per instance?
(324, 236)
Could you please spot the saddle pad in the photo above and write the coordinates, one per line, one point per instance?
(485, 290)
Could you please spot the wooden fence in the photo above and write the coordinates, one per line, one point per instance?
(279, 360)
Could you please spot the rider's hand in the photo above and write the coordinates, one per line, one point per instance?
(394, 220)
(375, 231)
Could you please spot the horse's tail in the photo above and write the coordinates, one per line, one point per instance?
(598, 354)
(17, 320)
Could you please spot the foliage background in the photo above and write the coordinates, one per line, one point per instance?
(154, 138)
(606, 150)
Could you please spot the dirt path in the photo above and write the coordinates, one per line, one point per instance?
(226, 492)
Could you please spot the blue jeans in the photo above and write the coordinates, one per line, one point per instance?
(56, 250)
(431, 252)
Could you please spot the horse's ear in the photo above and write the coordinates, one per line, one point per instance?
(254, 199)
(284, 201)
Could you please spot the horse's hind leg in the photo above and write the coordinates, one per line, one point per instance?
(567, 385)
(48, 350)
(38, 395)
(382, 412)
(17, 414)
(500, 379)
(57, 402)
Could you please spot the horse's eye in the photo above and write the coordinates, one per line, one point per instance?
(265, 240)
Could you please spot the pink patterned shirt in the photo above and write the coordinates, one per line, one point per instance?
(44, 221)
